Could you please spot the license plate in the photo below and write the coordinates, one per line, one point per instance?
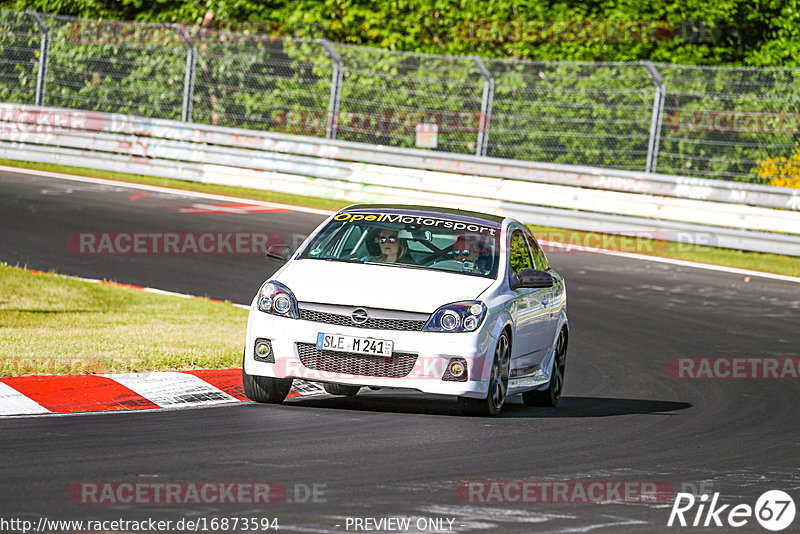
(359, 345)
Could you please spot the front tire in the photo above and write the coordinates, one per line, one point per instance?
(265, 388)
(341, 389)
(498, 383)
(549, 397)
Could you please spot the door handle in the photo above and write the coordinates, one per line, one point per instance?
(545, 301)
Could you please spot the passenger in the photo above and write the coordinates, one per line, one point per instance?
(393, 248)
(468, 249)
(465, 249)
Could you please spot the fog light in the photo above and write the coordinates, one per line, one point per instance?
(456, 370)
(263, 351)
(263, 348)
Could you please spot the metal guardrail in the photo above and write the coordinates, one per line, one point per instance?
(668, 207)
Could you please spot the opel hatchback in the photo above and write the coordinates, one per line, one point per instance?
(435, 300)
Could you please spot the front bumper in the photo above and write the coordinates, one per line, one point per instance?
(419, 358)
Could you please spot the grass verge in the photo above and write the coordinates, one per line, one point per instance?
(740, 259)
(773, 263)
(55, 325)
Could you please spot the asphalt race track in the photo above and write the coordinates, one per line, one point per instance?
(388, 454)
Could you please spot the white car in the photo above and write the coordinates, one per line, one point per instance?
(436, 300)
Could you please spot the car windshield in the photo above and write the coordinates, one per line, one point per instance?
(430, 241)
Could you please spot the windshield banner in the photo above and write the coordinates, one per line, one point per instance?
(411, 219)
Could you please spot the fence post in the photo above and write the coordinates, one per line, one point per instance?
(188, 80)
(657, 117)
(336, 88)
(486, 107)
(44, 51)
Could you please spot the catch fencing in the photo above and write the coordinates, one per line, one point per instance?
(736, 124)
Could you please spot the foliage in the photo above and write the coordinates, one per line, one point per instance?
(742, 32)
(19, 65)
(248, 75)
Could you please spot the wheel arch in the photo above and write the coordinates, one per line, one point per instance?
(563, 326)
(504, 322)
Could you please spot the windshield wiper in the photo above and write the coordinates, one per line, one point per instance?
(408, 265)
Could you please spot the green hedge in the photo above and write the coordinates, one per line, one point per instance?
(548, 105)
(695, 32)
(19, 58)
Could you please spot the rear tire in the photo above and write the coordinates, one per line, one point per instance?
(341, 389)
(265, 388)
(498, 384)
(549, 397)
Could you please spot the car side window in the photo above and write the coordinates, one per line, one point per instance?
(539, 259)
(518, 256)
(352, 239)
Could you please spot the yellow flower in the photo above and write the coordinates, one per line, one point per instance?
(782, 172)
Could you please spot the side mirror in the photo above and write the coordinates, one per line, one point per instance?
(531, 279)
(279, 252)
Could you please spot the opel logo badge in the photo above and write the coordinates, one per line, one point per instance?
(359, 316)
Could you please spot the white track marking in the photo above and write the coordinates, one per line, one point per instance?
(12, 402)
(170, 388)
(308, 389)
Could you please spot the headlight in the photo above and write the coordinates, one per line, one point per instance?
(457, 317)
(275, 298)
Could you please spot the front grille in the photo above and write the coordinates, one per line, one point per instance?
(398, 366)
(345, 320)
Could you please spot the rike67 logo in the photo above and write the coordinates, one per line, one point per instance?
(774, 510)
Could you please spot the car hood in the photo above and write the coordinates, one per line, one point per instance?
(378, 286)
